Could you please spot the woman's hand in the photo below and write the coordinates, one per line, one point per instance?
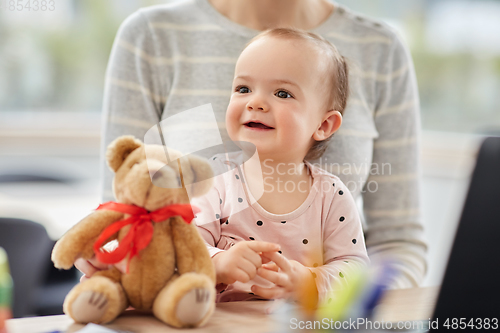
(240, 262)
(89, 267)
(291, 279)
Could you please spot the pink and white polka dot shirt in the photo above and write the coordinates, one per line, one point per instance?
(324, 233)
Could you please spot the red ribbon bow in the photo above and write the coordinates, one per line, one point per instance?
(141, 231)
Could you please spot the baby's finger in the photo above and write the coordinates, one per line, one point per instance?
(240, 275)
(280, 260)
(270, 293)
(259, 246)
(279, 279)
(271, 266)
(252, 257)
(248, 268)
(264, 259)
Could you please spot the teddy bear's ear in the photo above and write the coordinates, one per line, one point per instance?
(119, 149)
(202, 176)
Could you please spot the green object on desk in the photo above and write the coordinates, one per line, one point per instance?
(5, 281)
(343, 299)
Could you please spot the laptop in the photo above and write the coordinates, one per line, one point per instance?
(470, 291)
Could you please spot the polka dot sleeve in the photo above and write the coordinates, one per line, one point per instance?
(208, 219)
(344, 248)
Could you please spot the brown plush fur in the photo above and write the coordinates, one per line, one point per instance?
(176, 261)
(112, 291)
(164, 306)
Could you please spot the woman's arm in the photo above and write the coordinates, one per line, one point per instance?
(392, 212)
(134, 94)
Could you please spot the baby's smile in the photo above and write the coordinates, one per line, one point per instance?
(257, 125)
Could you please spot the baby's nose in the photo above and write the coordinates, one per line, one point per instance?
(257, 104)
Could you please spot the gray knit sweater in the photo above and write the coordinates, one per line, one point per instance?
(170, 58)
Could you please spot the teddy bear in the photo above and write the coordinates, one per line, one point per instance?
(169, 270)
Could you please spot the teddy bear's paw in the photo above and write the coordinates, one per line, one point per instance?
(193, 306)
(89, 306)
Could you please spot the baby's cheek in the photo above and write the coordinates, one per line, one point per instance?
(232, 120)
(295, 125)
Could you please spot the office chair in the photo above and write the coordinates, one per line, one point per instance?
(28, 248)
(39, 288)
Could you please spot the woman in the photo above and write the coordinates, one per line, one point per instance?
(170, 58)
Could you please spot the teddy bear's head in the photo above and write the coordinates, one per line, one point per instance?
(145, 177)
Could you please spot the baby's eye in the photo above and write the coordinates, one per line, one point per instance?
(283, 94)
(242, 90)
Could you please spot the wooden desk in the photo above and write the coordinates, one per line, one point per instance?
(397, 305)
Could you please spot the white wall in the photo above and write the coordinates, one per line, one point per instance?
(447, 164)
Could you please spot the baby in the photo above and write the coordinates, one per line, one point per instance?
(298, 233)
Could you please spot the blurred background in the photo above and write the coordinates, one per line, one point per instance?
(52, 66)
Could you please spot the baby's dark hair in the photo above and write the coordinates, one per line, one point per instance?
(337, 79)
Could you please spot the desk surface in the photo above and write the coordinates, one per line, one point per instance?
(397, 305)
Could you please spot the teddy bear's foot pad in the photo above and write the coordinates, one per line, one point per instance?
(193, 306)
(89, 306)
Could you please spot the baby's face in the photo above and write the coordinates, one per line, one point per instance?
(278, 97)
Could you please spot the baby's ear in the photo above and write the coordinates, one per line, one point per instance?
(330, 124)
(119, 149)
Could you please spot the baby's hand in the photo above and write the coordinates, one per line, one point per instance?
(290, 277)
(240, 262)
